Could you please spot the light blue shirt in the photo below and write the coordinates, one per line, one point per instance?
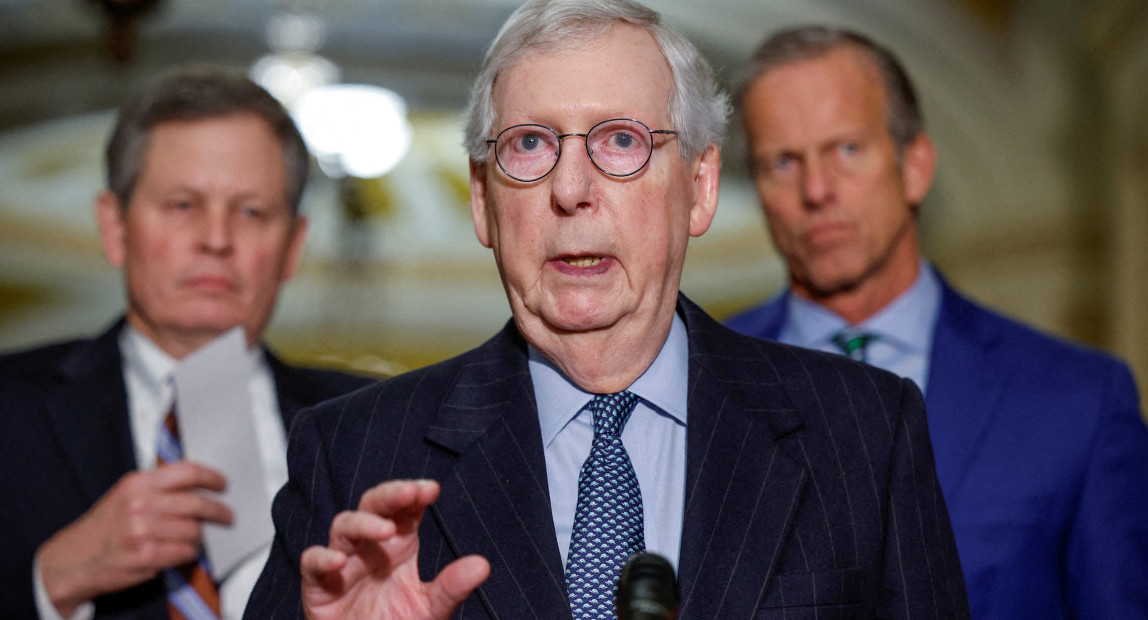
(654, 436)
(903, 329)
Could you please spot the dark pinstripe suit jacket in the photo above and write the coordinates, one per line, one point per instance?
(810, 489)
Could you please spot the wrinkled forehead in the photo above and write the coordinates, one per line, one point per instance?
(620, 68)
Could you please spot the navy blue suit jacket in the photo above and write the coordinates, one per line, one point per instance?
(810, 488)
(66, 439)
(1043, 460)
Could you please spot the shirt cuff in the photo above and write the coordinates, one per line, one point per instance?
(44, 607)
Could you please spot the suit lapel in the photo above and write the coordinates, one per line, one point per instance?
(495, 500)
(963, 389)
(741, 489)
(89, 412)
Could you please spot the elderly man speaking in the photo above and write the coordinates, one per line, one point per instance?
(611, 415)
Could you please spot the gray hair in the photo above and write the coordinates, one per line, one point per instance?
(195, 93)
(904, 119)
(698, 109)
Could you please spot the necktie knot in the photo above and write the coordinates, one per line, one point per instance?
(169, 448)
(611, 411)
(854, 345)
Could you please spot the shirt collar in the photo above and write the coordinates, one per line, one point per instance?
(148, 365)
(664, 385)
(905, 323)
(154, 368)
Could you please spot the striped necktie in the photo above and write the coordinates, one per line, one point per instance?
(191, 592)
(608, 526)
(853, 346)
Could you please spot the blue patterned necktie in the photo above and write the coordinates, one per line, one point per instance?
(192, 594)
(608, 525)
(853, 346)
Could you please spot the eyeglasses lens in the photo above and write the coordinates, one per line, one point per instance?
(617, 147)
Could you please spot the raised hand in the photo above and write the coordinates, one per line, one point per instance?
(147, 522)
(369, 568)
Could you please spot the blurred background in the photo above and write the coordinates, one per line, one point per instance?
(1040, 208)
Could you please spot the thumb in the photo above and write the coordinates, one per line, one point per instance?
(455, 582)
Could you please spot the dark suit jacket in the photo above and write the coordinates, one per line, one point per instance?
(66, 440)
(809, 484)
(1043, 460)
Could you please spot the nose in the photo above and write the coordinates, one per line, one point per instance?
(216, 236)
(572, 176)
(817, 182)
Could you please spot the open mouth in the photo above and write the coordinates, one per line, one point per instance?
(583, 261)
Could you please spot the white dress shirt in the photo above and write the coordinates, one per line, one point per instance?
(147, 372)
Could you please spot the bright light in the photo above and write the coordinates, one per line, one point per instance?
(354, 129)
(288, 75)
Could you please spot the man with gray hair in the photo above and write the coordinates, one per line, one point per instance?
(611, 415)
(1041, 451)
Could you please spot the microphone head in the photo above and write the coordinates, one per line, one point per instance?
(647, 589)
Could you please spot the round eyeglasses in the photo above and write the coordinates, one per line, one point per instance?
(619, 147)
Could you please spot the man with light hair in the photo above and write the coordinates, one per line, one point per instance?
(1041, 451)
(611, 415)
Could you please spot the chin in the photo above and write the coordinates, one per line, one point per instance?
(828, 278)
(579, 319)
(829, 286)
(212, 321)
(576, 323)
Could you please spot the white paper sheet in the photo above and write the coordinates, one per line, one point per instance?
(217, 428)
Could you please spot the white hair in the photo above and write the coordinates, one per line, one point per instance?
(698, 108)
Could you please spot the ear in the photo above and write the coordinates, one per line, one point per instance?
(478, 207)
(706, 178)
(110, 220)
(295, 247)
(918, 163)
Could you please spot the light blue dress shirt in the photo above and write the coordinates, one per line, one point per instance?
(654, 436)
(903, 329)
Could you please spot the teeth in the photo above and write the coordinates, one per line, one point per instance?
(583, 261)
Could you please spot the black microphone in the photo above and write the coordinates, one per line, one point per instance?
(647, 589)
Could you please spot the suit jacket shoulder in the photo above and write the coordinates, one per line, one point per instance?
(1021, 343)
(298, 387)
(991, 376)
(762, 321)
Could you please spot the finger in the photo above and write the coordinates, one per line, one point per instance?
(352, 527)
(318, 562)
(172, 554)
(168, 530)
(456, 582)
(183, 475)
(148, 560)
(395, 497)
(194, 506)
